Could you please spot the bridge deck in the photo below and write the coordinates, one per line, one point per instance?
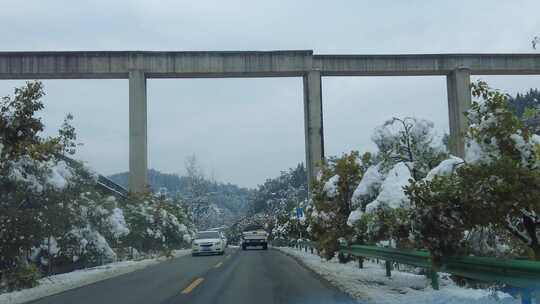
(117, 64)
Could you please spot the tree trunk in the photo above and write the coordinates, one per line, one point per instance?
(530, 227)
(49, 268)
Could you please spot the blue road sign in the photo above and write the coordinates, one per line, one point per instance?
(299, 213)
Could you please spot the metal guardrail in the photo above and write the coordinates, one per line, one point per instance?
(518, 273)
(305, 244)
(110, 186)
(523, 274)
(417, 258)
(102, 181)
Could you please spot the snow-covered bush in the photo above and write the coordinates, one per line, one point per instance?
(411, 141)
(408, 150)
(368, 188)
(35, 184)
(156, 224)
(24, 275)
(332, 202)
(495, 190)
(391, 192)
(52, 215)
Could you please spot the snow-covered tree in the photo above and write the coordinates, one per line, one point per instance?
(495, 189)
(277, 199)
(332, 202)
(410, 141)
(52, 215)
(156, 223)
(34, 183)
(407, 149)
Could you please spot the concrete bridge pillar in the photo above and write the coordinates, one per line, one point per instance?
(313, 123)
(459, 101)
(137, 131)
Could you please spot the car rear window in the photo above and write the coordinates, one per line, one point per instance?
(253, 227)
(208, 235)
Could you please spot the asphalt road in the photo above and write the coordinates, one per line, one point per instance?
(238, 277)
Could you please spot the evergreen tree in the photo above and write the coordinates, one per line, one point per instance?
(332, 203)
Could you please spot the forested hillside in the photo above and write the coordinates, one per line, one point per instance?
(213, 203)
(273, 204)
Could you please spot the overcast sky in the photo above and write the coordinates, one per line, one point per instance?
(246, 130)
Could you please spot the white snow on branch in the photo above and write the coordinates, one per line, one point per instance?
(354, 217)
(330, 187)
(392, 194)
(118, 223)
(370, 183)
(445, 168)
(59, 175)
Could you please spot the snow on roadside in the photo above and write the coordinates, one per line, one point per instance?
(62, 282)
(370, 285)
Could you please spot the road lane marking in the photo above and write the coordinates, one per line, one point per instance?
(218, 265)
(192, 286)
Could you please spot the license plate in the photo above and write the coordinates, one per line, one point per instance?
(205, 249)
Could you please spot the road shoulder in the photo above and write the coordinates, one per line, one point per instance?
(56, 284)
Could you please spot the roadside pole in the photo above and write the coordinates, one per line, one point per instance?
(299, 215)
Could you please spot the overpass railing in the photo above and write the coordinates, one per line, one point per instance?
(112, 187)
(522, 274)
(102, 182)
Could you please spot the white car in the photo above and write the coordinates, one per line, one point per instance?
(208, 242)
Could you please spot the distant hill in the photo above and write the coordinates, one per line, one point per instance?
(229, 201)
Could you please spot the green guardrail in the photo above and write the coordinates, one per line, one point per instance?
(523, 274)
(416, 258)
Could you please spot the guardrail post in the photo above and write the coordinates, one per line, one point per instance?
(388, 266)
(526, 296)
(434, 276)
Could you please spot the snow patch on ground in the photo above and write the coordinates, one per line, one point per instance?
(62, 282)
(370, 285)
